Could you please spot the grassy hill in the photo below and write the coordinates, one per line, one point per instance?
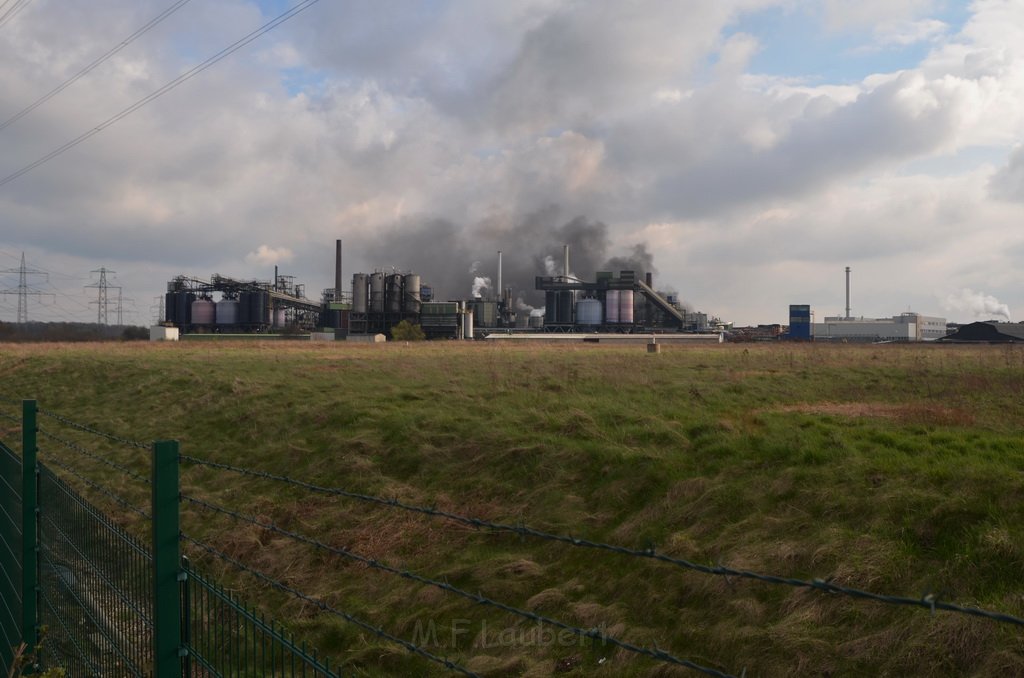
(895, 469)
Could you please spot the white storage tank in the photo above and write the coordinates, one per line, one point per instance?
(626, 307)
(588, 312)
(611, 307)
(536, 320)
(360, 284)
(204, 312)
(279, 317)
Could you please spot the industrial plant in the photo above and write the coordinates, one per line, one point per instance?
(616, 302)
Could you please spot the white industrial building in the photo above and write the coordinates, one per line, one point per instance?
(903, 327)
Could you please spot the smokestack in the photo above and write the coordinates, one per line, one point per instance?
(500, 288)
(650, 279)
(337, 270)
(275, 277)
(565, 253)
(847, 292)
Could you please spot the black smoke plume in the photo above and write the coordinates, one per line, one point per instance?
(450, 258)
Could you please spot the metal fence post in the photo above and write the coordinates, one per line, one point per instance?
(29, 526)
(166, 562)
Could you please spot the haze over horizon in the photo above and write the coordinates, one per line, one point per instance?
(746, 150)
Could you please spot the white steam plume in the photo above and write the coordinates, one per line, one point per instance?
(978, 304)
(479, 284)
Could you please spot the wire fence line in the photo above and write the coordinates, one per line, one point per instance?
(99, 487)
(88, 429)
(928, 601)
(71, 445)
(478, 598)
(325, 607)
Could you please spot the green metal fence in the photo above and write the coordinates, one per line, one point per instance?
(109, 603)
(10, 549)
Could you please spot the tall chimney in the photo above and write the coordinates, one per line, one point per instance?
(500, 288)
(650, 279)
(847, 292)
(275, 277)
(337, 270)
(565, 253)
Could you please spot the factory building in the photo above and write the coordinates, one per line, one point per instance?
(903, 327)
(620, 303)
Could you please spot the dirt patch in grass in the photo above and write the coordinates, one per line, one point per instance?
(912, 413)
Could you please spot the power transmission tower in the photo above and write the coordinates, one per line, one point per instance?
(158, 308)
(24, 291)
(102, 303)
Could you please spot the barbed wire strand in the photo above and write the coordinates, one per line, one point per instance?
(322, 605)
(88, 429)
(480, 599)
(929, 601)
(99, 487)
(71, 445)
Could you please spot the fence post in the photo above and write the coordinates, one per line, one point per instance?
(166, 561)
(29, 526)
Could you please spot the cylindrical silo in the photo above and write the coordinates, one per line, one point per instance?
(183, 308)
(258, 308)
(377, 292)
(551, 307)
(412, 293)
(170, 308)
(204, 312)
(626, 307)
(394, 288)
(566, 302)
(227, 312)
(536, 320)
(611, 307)
(588, 312)
(360, 283)
(279, 317)
(467, 325)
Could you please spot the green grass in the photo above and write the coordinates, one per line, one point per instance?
(898, 469)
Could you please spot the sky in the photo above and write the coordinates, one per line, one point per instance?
(744, 151)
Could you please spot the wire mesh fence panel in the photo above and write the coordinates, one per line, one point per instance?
(96, 582)
(10, 548)
(224, 637)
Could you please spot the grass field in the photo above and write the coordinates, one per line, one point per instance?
(897, 469)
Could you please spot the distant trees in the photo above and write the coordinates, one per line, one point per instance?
(406, 331)
(13, 332)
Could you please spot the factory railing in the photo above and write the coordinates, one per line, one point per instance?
(85, 592)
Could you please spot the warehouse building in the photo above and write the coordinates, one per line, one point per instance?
(903, 327)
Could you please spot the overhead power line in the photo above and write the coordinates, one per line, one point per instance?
(91, 67)
(187, 75)
(7, 16)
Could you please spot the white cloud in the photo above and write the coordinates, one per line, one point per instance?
(269, 256)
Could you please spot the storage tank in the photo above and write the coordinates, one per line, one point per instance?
(551, 307)
(170, 309)
(626, 307)
(376, 292)
(467, 325)
(360, 282)
(588, 312)
(536, 320)
(204, 312)
(611, 307)
(394, 293)
(279, 317)
(258, 313)
(566, 301)
(412, 293)
(183, 307)
(227, 312)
